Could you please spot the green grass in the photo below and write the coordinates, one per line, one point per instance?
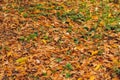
(69, 66)
(44, 74)
(68, 75)
(76, 40)
(58, 60)
(25, 15)
(32, 36)
(117, 70)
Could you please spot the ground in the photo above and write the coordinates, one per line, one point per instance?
(59, 40)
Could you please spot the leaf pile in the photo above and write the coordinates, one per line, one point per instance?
(59, 40)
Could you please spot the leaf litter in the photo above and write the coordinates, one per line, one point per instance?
(59, 40)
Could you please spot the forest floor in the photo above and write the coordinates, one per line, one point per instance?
(59, 40)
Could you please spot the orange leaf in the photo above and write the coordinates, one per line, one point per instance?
(94, 52)
(79, 78)
(92, 78)
(36, 11)
(95, 17)
(9, 53)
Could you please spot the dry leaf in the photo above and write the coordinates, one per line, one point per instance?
(98, 66)
(20, 60)
(94, 52)
(80, 79)
(44, 41)
(95, 17)
(9, 53)
(92, 77)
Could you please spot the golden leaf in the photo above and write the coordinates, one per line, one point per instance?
(20, 60)
(9, 54)
(109, 15)
(115, 78)
(79, 78)
(102, 23)
(94, 52)
(97, 67)
(44, 41)
(36, 11)
(115, 45)
(95, 17)
(115, 61)
(92, 78)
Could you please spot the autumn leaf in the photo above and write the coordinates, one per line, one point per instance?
(9, 53)
(94, 52)
(97, 67)
(102, 23)
(36, 11)
(80, 79)
(59, 40)
(92, 78)
(115, 78)
(95, 17)
(44, 41)
(22, 59)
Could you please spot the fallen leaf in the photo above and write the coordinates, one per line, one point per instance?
(44, 41)
(36, 11)
(9, 54)
(110, 15)
(20, 60)
(95, 17)
(79, 78)
(115, 78)
(94, 52)
(92, 78)
(102, 23)
(97, 67)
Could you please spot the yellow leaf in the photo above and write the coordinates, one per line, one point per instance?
(79, 78)
(92, 78)
(9, 54)
(110, 15)
(90, 59)
(97, 67)
(95, 17)
(36, 11)
(115, 61)
(20, 60)
(44, 41)
(115, 45)
(115, 78)
(102, 23)
(78, 66)
(94, 52)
